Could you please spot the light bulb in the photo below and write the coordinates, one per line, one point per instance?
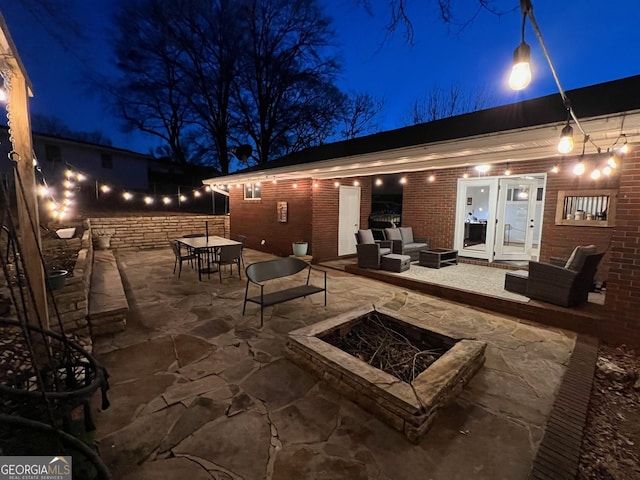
(606, 170)
(378, 182)
(521, 72)
(196, 193)
(555, 169)
(3, 95)
(596, 174)
(612, 162)
(565, 145)
(624, 148)
(579, 169)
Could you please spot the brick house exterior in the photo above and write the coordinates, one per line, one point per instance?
(521, 135)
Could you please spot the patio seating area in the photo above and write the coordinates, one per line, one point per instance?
(200, 391)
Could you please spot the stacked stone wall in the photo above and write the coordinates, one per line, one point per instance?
(155, 232)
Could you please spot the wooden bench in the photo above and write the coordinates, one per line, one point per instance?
(260, 272)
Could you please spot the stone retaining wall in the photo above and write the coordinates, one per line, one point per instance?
(72, 301)
(154, 232)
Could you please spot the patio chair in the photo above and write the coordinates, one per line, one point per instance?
(229, 255)
(370, 250)
(404, 243)
(568, 285)
(241, 239)
(179, 257)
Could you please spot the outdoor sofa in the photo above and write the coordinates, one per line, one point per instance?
(404, 243)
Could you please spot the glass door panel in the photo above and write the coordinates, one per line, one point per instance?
(519, 219)
(475, 216)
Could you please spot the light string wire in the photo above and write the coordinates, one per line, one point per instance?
(527, 10)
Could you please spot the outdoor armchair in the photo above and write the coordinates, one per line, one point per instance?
(229, 255)
(404, 242)
(568, 285)
(180, 257)
(370, 250)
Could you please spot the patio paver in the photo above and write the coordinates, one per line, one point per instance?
(200, 390)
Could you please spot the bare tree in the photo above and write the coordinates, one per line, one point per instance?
(52, 125)
(448, 10)
(358, 115)
(284, 95)
(152, 94)
(209, 35)
(440, 103)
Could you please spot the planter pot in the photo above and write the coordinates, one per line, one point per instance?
(103, 242)
(56, 279)
(300, 249)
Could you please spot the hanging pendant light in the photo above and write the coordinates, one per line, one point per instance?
(521, 71)
(565, 145)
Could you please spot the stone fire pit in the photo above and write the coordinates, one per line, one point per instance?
(407, 407)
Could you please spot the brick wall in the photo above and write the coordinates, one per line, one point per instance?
(154, 232)
(326, 206)
(623, 283)
(258, 219)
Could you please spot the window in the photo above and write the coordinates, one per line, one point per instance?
(252, 191)
(52, 153)
(593, 208)
(107, 161)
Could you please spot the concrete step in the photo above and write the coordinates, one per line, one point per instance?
(108, 306)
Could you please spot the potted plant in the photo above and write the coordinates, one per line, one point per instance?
(56, 279)
(300, 248)
(102, 239)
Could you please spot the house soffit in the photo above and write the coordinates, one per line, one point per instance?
(510, 146)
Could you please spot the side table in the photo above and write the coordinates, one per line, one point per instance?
(438, 257)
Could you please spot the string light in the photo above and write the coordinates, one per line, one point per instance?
(521, 71)
(105, 188)
(566, 142)
(127, 196)
(432, 178)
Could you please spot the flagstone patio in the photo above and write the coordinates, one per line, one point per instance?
(200, 391)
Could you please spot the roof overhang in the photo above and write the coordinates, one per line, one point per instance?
(506, 146)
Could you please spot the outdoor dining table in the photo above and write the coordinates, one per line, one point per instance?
(208, 245)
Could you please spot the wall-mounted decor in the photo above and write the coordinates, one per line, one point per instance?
(282, 212)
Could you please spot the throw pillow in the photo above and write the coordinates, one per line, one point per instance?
(407, 235)
(366, 236)
(392, 234)
(578, 256)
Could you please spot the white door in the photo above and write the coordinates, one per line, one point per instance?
(348, 219)
(519, 218)
(476, 217)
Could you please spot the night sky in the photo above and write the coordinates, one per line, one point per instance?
(589, 41)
